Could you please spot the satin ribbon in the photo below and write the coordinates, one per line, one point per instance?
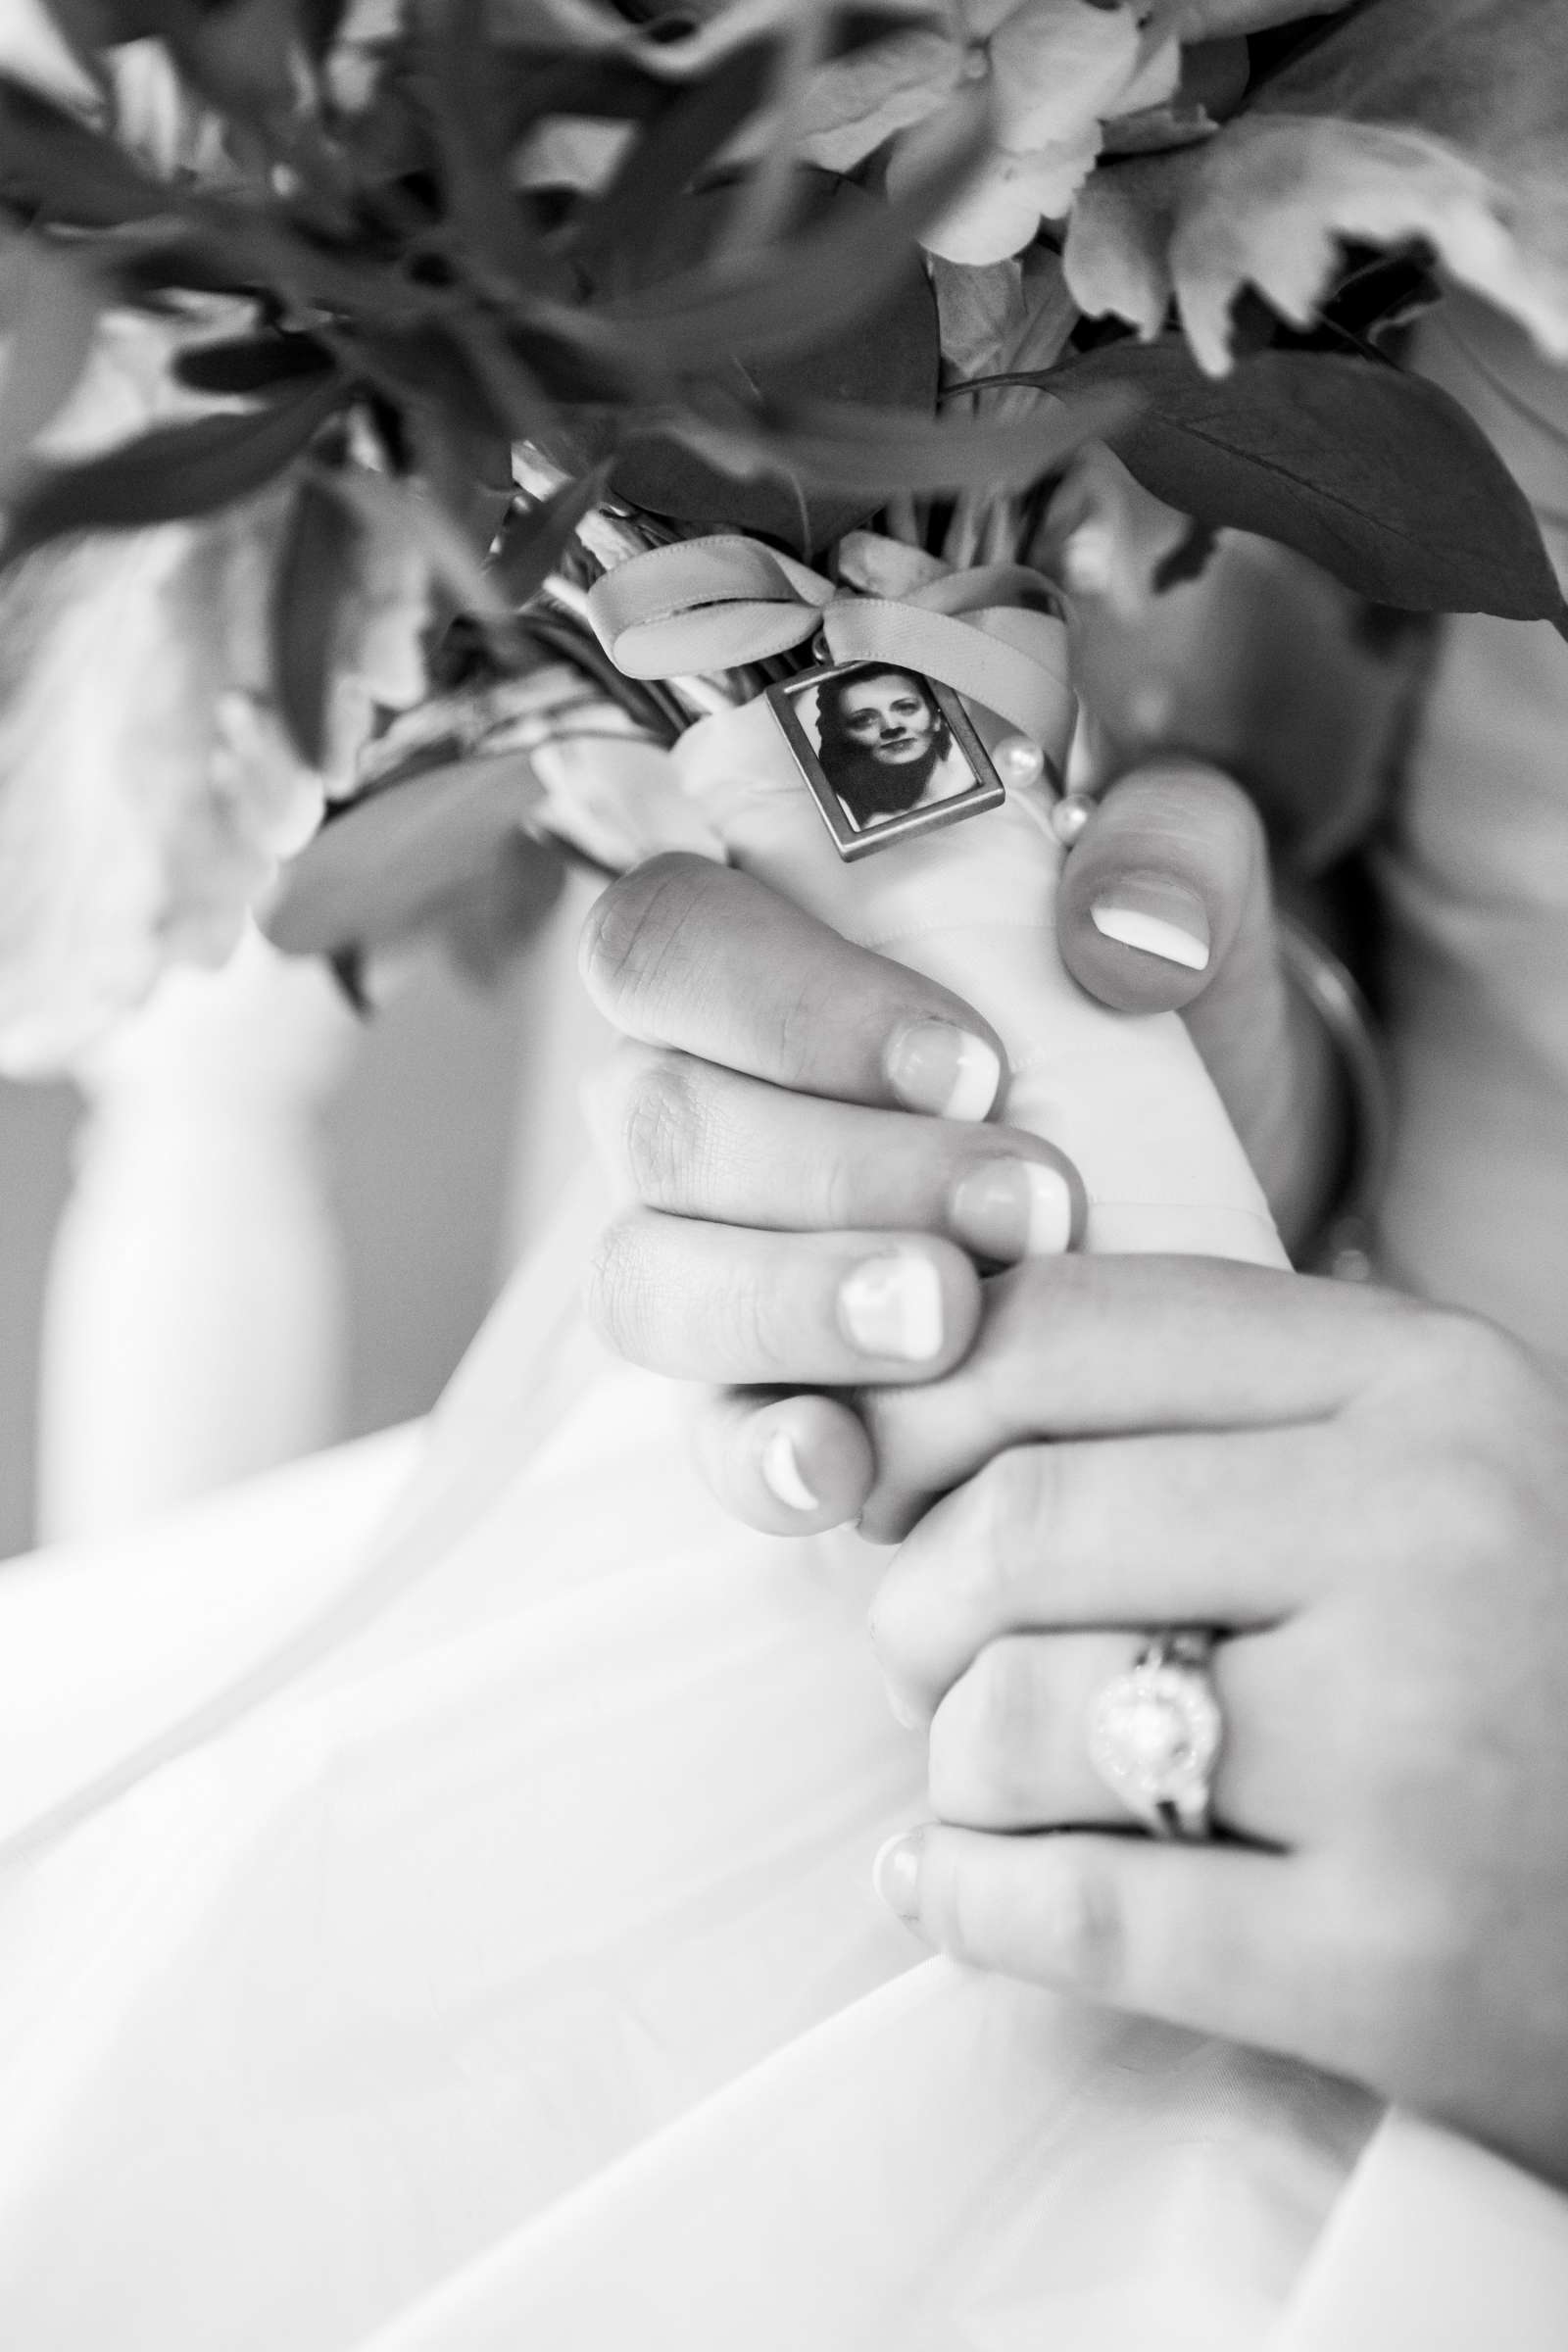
(716, 604)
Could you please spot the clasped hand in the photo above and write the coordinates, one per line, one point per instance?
(1367, 1497)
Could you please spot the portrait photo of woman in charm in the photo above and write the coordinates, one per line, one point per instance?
(886, 745)
(886, 751)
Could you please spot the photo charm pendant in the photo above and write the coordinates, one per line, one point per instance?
(886, 752)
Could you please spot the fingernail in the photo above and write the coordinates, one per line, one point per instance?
(934, 1066)
(903, 1711)
(893, 1306)
(895, 1874)
(1012, 1208)
(782, 1476)
(1157, 915)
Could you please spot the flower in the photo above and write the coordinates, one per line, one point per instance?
(145, 793)
(1051, 70)
(148, 788)
(1401, 123)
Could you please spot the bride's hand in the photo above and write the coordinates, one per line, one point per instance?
(797, 1227)
(1370, 1499)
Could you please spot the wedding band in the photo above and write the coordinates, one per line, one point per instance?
(1154, 1736)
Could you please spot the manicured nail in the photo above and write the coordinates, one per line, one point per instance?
(1157, 915)
(781, 1473)
(1012, 1208)
(934, 1066)
(903, 1711)
(895, 1874)
(893, 1306)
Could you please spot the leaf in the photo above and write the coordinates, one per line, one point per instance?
(321, 22)
(800, 296)
(889, 358)
(623, 230)
(534, 541)
(1403, 121)
(53, 167)
(491, 225)
(982, 312)
(317, 573)
(380, 868)
(1376, 475)
(49, 310)
(168, 475)
(404, 510)
(870, 452)
(250, 364)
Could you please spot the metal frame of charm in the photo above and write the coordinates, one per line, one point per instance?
(852, 841)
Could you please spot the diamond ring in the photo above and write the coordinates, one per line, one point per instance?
(1154, 1736)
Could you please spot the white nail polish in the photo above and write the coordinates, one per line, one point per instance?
(781, 1473)
(1151, 934)
(899, 1707)
(895, 1874)
(975, 1080)
(1050, 1211)
(937, 1067)
(892, 1306)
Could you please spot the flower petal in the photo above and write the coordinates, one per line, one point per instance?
(849, 108)
(999, 212)
(1116, 257)
(1056, 65)
(1272, 197)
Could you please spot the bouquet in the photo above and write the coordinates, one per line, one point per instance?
(441, 440)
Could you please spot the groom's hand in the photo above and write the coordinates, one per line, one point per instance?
(805, 1130)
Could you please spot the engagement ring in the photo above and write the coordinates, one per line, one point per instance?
(1154, 1736)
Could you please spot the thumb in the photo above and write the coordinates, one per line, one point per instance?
(1165, 897)
(1165, 904)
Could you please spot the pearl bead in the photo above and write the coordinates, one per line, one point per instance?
(1018, 760)
(1069, 817)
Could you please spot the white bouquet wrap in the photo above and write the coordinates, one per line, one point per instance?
(1124, 1094)
(970, 905)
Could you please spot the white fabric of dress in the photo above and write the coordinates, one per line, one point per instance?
(530, 1927)
(507, 1974)
(456, 1934)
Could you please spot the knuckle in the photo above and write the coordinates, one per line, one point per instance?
(1082, 1927)
(1478, 1511)
(632, 929)
(835, 1191)
(1424, 1964)
(1468, 1358)
(1060, 1922)
(1003, 1714)
(1006, 1498)
(617, 1292)
(794, 1014)
(660, 1132)
(1038, 1309)
(749, 1315)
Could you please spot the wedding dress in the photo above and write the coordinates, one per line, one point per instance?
(456, 1935)
(506, 1972)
